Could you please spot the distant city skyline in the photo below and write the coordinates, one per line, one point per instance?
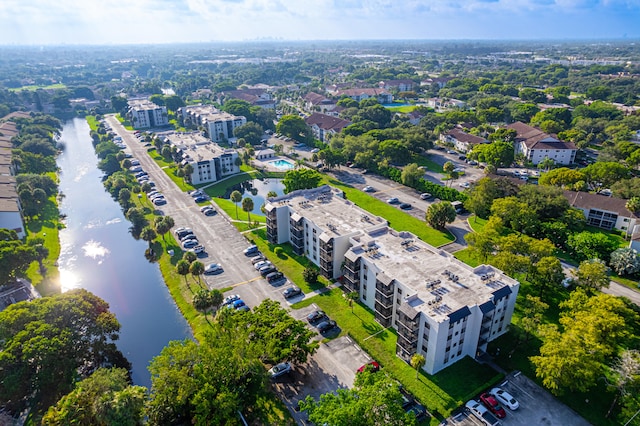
(45, 22)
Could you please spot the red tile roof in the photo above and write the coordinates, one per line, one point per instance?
(535, 138)
(326, 122)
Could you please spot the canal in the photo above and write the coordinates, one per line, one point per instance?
(99, 254)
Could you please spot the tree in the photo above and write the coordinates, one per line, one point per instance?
(204, 300)
(592, 275)
(417, 362)
(310, 275)
(533, 309)
(182, 268)
(514, 213)
(279, 336)
(294, 127)
(375, 399)
(448, 167)
(439, 214)
(15, 257)
(51, 341)
(625, 261)
(547, 202)
(190, 257)
(483, 243)
(571, 357)
(546, 274)
(497, 154)
(411, 174)
(626, 372)
(148, 235)
(587, 245)
(247, 206)
(185, 390)
(197, 269)
(603, 174)
(563, 177)
(302, 178)
(236, 197)
(481, 195)
(633, 204)
(238, 107)
(162, 225)
(251, 132)
(104, 398)
(352, 296)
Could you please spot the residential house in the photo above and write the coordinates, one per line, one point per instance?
(325, 126)
(603, 211)
(209, 161)
(439, 82)
(536, 145)
(461, 140)
(317, 102)
(145, 114)
(256, 97)
(441, 104)
(383, 96)
(440, 307)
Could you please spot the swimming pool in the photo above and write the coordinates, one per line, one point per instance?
(281, 164)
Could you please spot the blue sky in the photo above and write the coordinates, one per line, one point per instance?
(165, 21)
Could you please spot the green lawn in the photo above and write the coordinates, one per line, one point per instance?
(427, 163)
(398, 220)
(46, 226)
(219, 189)
(127, 125)
(230, 209)
(441, 393)
(477, 224)
(92, 121)
(170, 169)
(466, 256)
(405, 109)
(34, 87)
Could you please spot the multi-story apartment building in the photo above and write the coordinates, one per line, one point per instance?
(210, 162)
(218, 124)
(537, 145)
(440, 307)
(145, 114)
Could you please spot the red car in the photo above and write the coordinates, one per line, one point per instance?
(374, 367)
(492, 404)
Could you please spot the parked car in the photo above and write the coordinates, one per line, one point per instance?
(198, 249)
(266, 270)
(237, 304)
(450, 151)
(213, 268)
(291, 292)
(325, 326)
(316, 316)
(406, 206)
(243, 308)
(482, 413)
(160, 201)
(230, 299)
(372, 366)
(200, 199)
(462, 157)
(187, 236)
(393, 200)
(493, 405)
(280, 369)
(135, 169)
(262, 263)
(189, 243)
(418, 410)
(473, 163)
(251, 250)
(369, 189)
(196, 193)
(258, 258)
(210, 212)
(274, 277)
(465, 185)
(505, 398)
(182, 231)
(425, 196)
(314, 150)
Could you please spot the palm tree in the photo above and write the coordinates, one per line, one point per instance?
(351, 297)
(197, 269)
(272, 194)
(202, 300)
(161, 225)
(182, 268)
(236, 197)
(189, 257)
(417, 362)
(247, 206)
(148, 234)
(187, 170)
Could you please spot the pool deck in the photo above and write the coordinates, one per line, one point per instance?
(266, 164)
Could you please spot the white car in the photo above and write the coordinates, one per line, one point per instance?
(198, 249)
(314, 150)
(465, 185)
(261, 264)
(215, 268)
(368, 189)
(505, 398)
(230, 299)
(280, 369)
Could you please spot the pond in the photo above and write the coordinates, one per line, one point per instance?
(257, 190)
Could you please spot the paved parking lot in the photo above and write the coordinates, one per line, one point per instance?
(332, 367)
(537, 407)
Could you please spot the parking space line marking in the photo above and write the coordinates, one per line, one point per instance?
(521, 390)
(245, 282)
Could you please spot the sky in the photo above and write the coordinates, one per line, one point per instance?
(47, 22)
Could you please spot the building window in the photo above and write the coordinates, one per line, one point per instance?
(399, 291)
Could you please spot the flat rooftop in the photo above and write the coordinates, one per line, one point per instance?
(440, 283)
(195, 145)
(143, 104)
(209, 113)
(328, 210)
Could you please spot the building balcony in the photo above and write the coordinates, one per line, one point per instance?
(383, 311)
(387, 302)
(384, 289)
(411, 326)
(409, 337)
(406, 345)
(383, 321)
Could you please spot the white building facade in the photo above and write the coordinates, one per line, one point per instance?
(440, 307)
(145, 114)
(219, 125)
